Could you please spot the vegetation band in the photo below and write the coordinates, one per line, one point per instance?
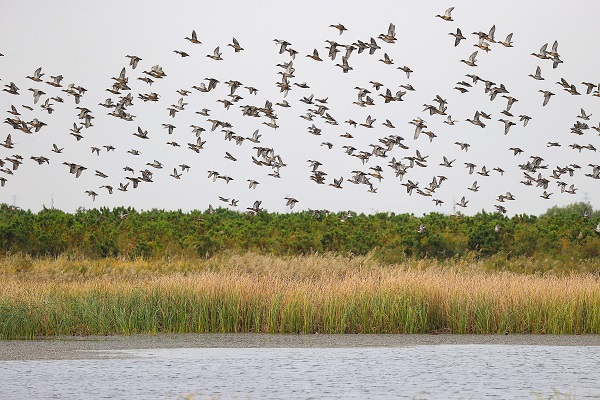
(295, 294)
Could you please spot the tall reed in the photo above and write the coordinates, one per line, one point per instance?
(300, 294)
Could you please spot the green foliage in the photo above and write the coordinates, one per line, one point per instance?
(562, 233)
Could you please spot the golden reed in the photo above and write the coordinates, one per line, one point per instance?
(296, 294)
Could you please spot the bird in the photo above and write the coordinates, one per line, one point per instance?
(390, 36)
(407, 70)
(341, 28)
(315, 55)
(216, 55)
(447, 15)
(194, 38)
(507, 124)
(583, 115)
(463, 203)
(386, 59)
(37, 75)
(547, 95)
(538, 74)
(458, 36)
(472, 60)
(235, 45)
(446, 162)
(141, 133)
(290, 202)
(92, 194)
(107, 187)
(508, 41)
(175, 174)
(181, 53)
(8, 143)
(133, 61)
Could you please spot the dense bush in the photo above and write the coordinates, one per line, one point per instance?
(560, 233)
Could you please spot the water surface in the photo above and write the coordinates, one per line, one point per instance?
(303, 367)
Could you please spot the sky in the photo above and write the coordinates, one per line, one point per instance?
(87, 43)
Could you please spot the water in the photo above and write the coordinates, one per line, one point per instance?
(440, 371)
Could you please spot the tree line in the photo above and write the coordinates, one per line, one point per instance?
(561, 232)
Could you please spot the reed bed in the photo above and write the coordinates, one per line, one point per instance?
(297, 294)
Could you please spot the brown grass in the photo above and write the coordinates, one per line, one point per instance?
(258, 293)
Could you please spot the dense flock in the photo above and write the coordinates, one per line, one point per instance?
(389, 156)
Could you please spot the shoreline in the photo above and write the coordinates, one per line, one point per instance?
(103, 347)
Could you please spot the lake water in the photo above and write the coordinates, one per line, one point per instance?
(368, 368)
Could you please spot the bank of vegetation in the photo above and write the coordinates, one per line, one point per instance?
(562, 238)
(120, 271)
(288, 294)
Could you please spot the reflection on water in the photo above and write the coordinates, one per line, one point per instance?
(418, 372)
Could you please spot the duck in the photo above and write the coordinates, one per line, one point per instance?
(107, 187)
(547, 95)
(447, 15)
(390, 37)
(538, 74)
(11, 88)
(290, 202)
(40, 159)
(235, 45)
(92, 194)
(583, 115)
(37, 75)
(175, 174)
(341, 28)
(368, 122)
(194, 38)
(314, 55)
(155, 164)
(255, 207)
(37, 93)
(141, 134)
(215, 56)
(472, 60)
(463, 202)
(386, 59)
(525, 119)
(133, 61)
(458, 36)
(8, 143)
(407, 70)
(344, 65)
(508, 41)
(446, 162)
(507, 124)
(463, 146)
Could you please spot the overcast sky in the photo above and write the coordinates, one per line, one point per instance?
(87, 43)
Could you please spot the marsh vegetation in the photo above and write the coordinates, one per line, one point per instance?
(253, 292)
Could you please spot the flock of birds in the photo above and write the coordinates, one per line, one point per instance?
(396, 157)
